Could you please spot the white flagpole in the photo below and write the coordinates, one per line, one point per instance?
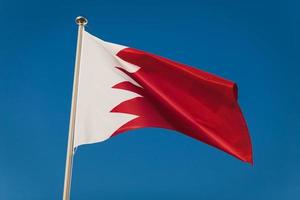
(81, 21)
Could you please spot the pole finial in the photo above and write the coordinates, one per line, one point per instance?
(81, 20)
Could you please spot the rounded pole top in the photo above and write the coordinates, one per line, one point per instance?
(81, 20)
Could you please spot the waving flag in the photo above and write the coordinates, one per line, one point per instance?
(122, 88)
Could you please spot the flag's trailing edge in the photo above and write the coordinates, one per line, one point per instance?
(122, 88)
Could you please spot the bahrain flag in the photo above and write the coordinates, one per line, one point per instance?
(122, 88)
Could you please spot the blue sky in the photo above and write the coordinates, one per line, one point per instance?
(255, 43)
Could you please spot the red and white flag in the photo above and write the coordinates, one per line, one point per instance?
(122, 88)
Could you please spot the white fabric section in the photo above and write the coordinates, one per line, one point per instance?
(96, 97)
(113, 49)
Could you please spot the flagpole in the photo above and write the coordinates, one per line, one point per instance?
(81, 21)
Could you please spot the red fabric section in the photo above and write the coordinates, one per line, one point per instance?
(188, 100)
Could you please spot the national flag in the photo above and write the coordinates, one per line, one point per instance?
(122, 89)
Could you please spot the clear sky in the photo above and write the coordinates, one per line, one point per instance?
(254, 43)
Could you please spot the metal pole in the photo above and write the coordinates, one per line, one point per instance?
(81, 21)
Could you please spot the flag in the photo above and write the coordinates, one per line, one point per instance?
(122, 89)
